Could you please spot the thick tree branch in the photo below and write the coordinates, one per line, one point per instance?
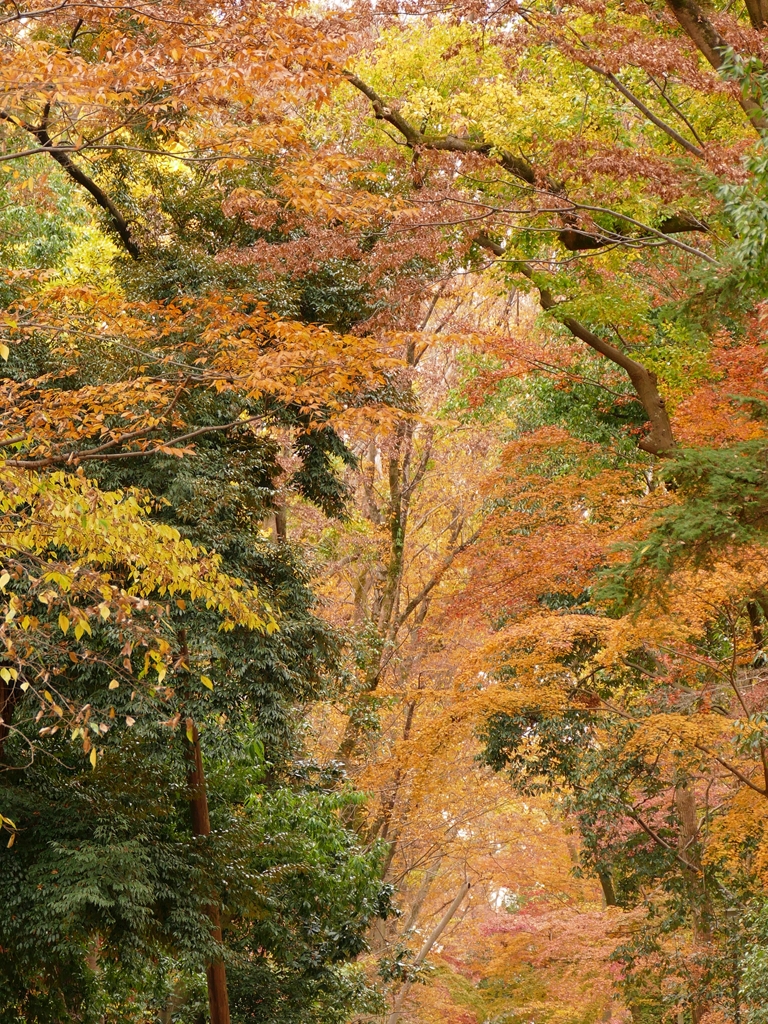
(101, 453)
(642, 107)
(660, 440)
(61, 155)
(647, 112)
(573, 239)
(708, 41)
(415, 139)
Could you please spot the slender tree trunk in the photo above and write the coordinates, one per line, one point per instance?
(175, 1002)
(606, 884)
(757, 626)
(218, 999)
(429, 942)
(280, 530)
(685, 803)
(421, 895)
(5, 715)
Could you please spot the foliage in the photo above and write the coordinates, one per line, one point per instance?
(365, 433)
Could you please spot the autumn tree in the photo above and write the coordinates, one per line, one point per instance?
(152, 624)
(281, 278)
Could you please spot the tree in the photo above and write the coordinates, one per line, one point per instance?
(316, 278)
(125, 634)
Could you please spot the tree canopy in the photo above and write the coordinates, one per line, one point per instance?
(384, 507)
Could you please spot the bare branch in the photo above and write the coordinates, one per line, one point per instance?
(101, 452)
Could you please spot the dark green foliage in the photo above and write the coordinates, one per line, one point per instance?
(103, 864)
(334, 296)
(315, 479)
(553, 747)
(721, 502)
(105, 890)
(293, 953)
(220, 497)
(749, 950)
(188, 235)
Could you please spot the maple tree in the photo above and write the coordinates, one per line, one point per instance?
(436, 86)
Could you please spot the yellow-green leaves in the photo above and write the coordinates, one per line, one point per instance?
(109, 531)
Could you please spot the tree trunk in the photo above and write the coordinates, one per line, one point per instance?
(701, 915)
(755, 622)
(758, 12)
(429, 942)
(218, 999)
(660, 440)
(280, 527)
(606, 884)
(429, 877)
(706, 38)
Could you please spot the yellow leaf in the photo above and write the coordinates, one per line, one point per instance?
(4, 579)
(12, 840)
(93, 757)
(190, 730)
(114, 684)
(4, 351)
(82, 626)
(63, 623)
(206, 682)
